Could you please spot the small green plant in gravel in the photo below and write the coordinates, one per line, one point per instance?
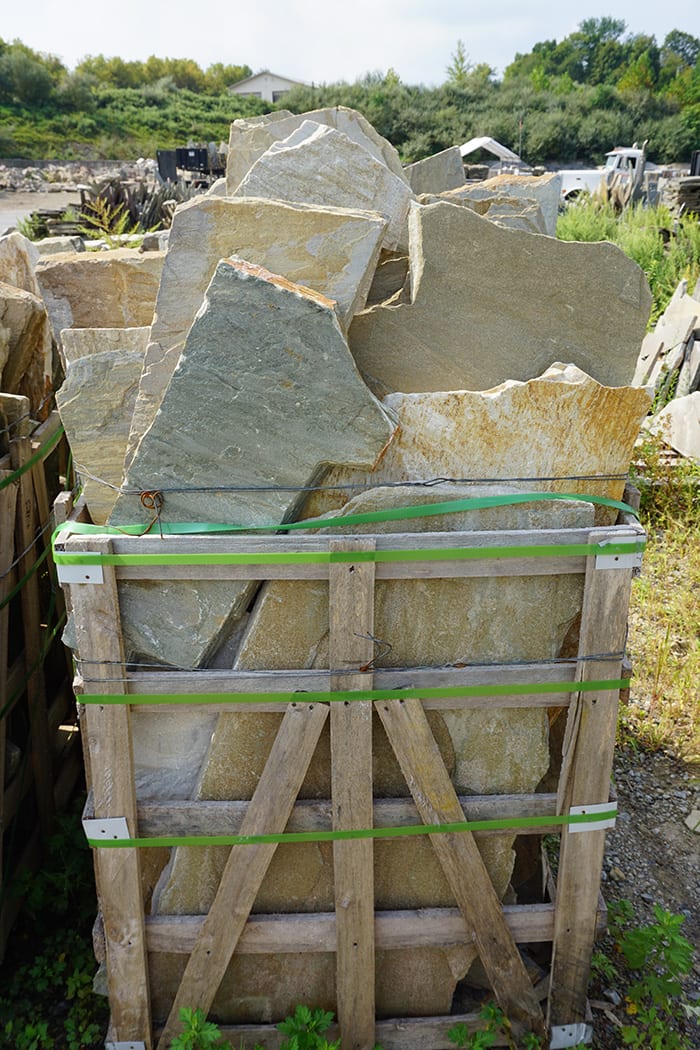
(305, 1029)
(649, 962)
(496, 1030)
(197, 1033)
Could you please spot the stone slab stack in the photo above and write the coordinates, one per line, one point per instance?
(269, 391)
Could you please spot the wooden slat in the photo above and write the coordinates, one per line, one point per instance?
(273, 798)
(106, 735)
(351, 627)
(586, 771)
(190, 817)
(8, 503)
(421, 763)
(316, 932)
(26, 527)
(164, 682)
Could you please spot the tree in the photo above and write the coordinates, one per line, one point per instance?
(459, 68)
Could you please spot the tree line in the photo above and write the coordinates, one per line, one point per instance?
(567, 101)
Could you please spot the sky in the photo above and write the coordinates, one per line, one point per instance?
(322, 42)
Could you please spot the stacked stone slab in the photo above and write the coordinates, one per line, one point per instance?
(261, 380)
(26, 341)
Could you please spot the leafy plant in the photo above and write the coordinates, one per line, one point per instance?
(656, 957)
(305, 1029)
(197, 1033)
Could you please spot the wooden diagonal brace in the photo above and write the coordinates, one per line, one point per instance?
(245, 869)
(434, 795)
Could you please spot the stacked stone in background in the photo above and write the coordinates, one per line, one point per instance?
(498, 354)
(669, 363)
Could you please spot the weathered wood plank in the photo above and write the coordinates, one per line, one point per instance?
(107, 740)
(393, 930)
(245, 869)
(200, 817)
(429, 782)
(586, 770)
(8, 504)
(351, 628)
(26, 526)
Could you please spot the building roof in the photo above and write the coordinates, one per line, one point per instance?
(268, 73)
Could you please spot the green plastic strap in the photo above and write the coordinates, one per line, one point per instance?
(498, 824)
(346, 695)
(40, 454)
(396, 513)
(337, 557)
(333, 557)
(27, 576)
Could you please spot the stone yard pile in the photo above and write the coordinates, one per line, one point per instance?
(669, 363)
(321, 326)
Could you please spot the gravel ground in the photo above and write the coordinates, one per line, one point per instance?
(652, 857)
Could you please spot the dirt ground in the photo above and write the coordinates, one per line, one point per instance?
(18, 205)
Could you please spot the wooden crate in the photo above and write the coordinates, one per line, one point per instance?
(587, 687)
(38, 723)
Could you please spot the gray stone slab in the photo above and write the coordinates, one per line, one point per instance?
(489, 304)
(333, 251)
(265, 394)
(318, 165)
(250, 138)
(96, 403)
(437, 173)
(678, 424)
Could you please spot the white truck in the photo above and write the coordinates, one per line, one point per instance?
(624, 165)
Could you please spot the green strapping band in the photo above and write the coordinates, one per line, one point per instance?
(40, 454)
(348, 695)
(334, 557)
(503, 823)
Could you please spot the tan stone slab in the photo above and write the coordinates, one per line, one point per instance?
(250, 138)
(83, 342)
(544, 189)
(490, 304)
(18, 259)
(112, 289)
(321, 166)
(25, 346)
(562, 424)
(333, 251)
(426, 622)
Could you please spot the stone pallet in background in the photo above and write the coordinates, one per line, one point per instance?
(152, 977)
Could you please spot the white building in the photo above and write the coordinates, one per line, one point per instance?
(266, 85)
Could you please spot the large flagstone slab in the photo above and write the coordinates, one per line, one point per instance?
(318, 165)
(486, 751)
(113, 289)
(490, 304)
(26, 347)
(265, 395)
(437, 173)
(544, 189)
(559, 432)
(250, 138)
(107, 362)
(330, 250)
(18, 259)
(678, 424)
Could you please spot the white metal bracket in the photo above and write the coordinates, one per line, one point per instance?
(618, 561)
(128, 1045)
(594, 824)
(80, 573)
(107, 828)
(564, 1035)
